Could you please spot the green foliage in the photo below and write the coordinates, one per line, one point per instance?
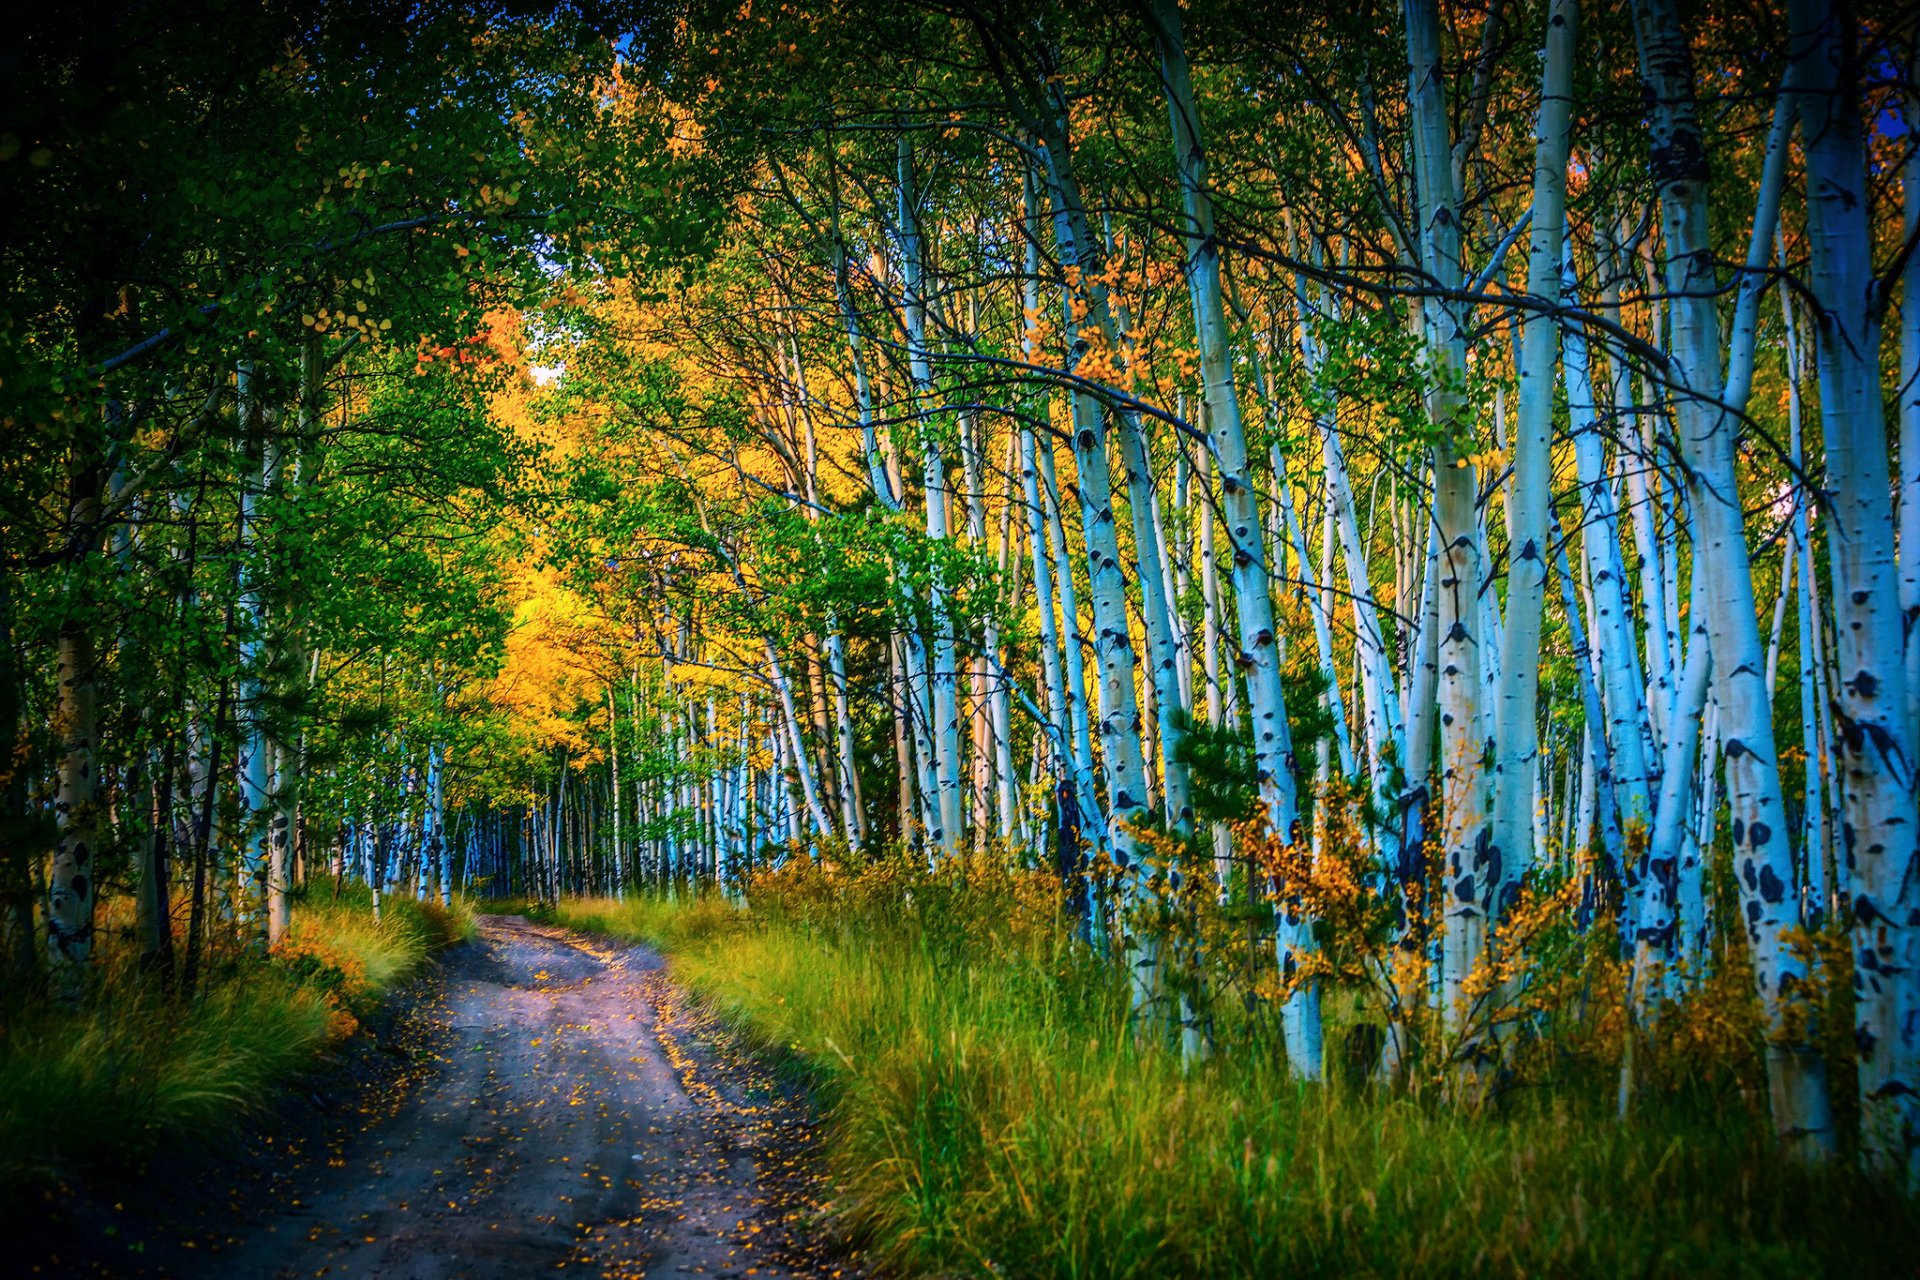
(1225, 777)
(1303, 685)
(1224, 774)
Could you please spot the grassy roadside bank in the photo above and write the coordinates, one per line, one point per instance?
(990, 1112)
(106, 1084)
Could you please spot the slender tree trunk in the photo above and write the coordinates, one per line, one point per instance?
(255, 776)
(613, 815)
(852, 807)
(1318, 606)
(1470, 876)
(1627, 724)
(1812, 656)
(1875, 750)
(1049, 654)
(999, 700)
(1516, 733)
(439, 850)
(1259, 647)
(206, 831)
(71, 877)
(1163, 641)
(1220, 684)
(1763, 865)
(1113, 641)
(154, 908)
(1079, 722)
(912, 740)
(1666, 886)
(804, 770)
(1599, 762)
(1379, 701)
(943, 703)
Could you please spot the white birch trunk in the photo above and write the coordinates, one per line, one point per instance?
(1634, 463)
(438, 849)
(913, 742)
(1320, 609)
(71, 872)
(1259, 642)
(613, 816)
(1875, 751)
(943, 701)
(1381, 705)
(1666, 888)
(999, 709)
(1469, 871)
(255, 773)
(1166, 704)
(1119, 715)
(853, 810)
(1219, 700)
(1597, 775)
(1763, 863)
(1163, 640)
(1627, 727)
(1516, 734)
(1812, 655)
(1087, 797)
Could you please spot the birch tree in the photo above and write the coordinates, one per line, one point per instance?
(1802, 1115)
(1876, 744)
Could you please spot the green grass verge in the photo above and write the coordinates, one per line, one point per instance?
(106, 1083)
(989, 1112)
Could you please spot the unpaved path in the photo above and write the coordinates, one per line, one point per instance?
(567, 1113)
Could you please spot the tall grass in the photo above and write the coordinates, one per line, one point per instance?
(133, 1067)
(990, 1111)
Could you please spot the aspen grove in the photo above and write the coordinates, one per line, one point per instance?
(1397, 526)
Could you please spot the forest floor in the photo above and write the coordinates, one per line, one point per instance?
(543, 1102)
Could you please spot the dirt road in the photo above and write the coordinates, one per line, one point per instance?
(564, 1111)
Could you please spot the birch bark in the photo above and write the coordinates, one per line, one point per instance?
(1763, 864)
(1627, 724)
(1382, 725)
(1812, 655)
(1516, 733)
(914, 742)
(1470, 871)
(1259, 642)
(255, 773)
(943, 677)
(1875, 751)
(1119, 720)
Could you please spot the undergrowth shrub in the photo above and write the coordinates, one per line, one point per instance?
(134, 1067)
(992, 1107)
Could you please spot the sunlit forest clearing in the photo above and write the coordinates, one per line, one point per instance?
(960, 637)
